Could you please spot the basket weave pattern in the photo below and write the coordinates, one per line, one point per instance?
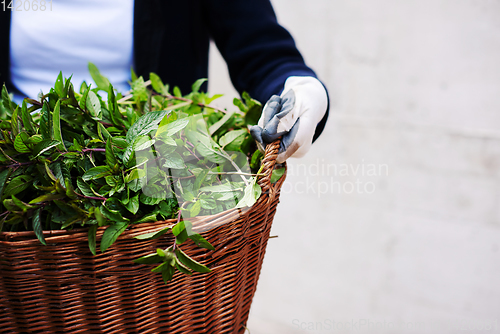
(63, 288)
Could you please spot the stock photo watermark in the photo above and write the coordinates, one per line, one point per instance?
(322, 178)
(370, 325)
(26, 5)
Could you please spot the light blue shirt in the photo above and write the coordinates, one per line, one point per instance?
(66, 38)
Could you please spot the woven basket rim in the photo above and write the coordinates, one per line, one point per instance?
(49, 235)
(200, 223)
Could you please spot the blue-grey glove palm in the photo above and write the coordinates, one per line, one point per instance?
(293, 116)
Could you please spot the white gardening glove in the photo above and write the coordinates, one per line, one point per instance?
(294, 116)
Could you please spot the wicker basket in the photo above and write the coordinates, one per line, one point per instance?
(63, 288)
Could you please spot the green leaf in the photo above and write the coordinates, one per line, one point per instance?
(20, 204)
(277, 174)
(200, 178)
(46, 122)
(113, 215)
(44, 146)
(133, 204)
(6, 102)
(37, 226)
(114, 113)
(112, 106)
(201, 242)
(178, 228)
(4, 175)
(195, 209)
(161, 267)
(251, 195)
(182, 237)
(34, 140)
(83, 99)
(50, 173)
(237, 102)
(96, 173)
(157, 84)
(47, 198)
(59, 85)
(167, 273)
(172, 128)
(67, 85)
(56, 126)
(216, 126)
(196, 86)
(139, 90)
(149, 259)
(19, 143)
(10, 205)
(168, 207)
(182, 268)
(231, 136)
(133, 75)
(150, 200)
(145, 124)
(76, 146)
(102, 132)
(92, 239)
(153, 235)
(188, 196)
(84, 187)
(110, 154)
(14, 122)
(220, 188)
(101, 220)
(176, 126)
(177, 92)
(111, 234)
(208, 203)
(26, 117)
(254, 111)
(93, 104)
(119, 142)
(146, 219)
(190, 263)
(101, 81)
(255, 161)
(174, 161)
(142, 143)
(16, 185)
(70, 191)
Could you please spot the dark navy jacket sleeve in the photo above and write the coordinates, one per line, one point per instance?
(260, 53)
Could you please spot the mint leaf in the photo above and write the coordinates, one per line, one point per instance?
(111, 234)
(92, 239)
(101, 81)
(56, 127)
(190, 263)
(145, 125)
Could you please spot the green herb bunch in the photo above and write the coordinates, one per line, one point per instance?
(73, 158)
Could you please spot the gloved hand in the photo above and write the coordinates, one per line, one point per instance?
(293, 116)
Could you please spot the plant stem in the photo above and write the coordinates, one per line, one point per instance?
(94, 150)
(187, 141)
(178, 220)
(90, 197)
(19, 164)
(236, 173)
(225, 155)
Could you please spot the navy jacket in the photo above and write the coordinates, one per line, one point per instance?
(171, 38)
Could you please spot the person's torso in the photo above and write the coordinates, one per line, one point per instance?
(66, 36)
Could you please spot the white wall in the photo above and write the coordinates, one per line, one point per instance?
(415, 91)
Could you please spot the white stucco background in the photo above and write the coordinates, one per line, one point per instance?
(415, 128)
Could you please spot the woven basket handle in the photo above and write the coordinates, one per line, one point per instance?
(268, 163)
